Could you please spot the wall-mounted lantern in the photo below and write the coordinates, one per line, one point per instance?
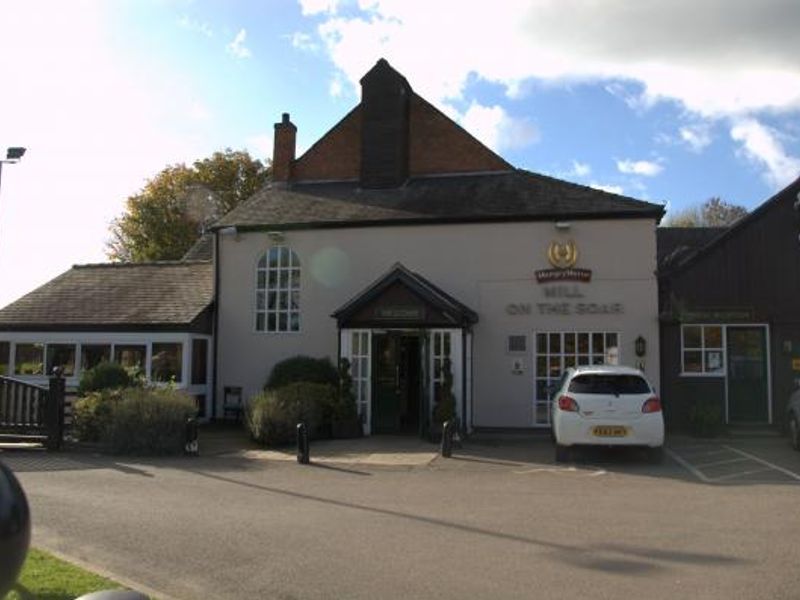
(640, 346)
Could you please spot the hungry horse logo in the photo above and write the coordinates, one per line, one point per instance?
(562, 256)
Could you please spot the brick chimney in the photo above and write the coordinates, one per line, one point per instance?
(385, 96)
(283, 150)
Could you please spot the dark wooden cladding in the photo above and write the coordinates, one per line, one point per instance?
(385, 109)
(398, 306)
(750, 274)
(755, 267)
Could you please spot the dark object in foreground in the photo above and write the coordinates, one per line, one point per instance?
(15, 528)
(114, 595)
(192, 447)
(302, 444)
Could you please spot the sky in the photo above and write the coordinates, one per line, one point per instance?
(670, 101)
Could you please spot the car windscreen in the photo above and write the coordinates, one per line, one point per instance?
(609, 384)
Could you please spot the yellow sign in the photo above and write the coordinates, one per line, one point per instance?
(796, 364)
(562, 256)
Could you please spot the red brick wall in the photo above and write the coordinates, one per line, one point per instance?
(336, 155)
(438, 145)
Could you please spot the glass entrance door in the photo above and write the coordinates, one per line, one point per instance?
(396, 401)
(748, 394)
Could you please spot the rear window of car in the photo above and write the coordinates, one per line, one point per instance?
(609, 384)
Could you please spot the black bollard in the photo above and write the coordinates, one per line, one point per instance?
(192, 447)
(15, 529)
(447, 438)
(302, 444)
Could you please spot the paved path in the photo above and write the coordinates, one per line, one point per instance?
(500, 520)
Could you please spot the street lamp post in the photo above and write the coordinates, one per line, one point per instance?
(13, 155)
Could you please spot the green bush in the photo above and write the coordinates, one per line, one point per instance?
(272, 416)
(302, 369)
(91, 414)
(105, 375)
(705, 418)
(150, 420)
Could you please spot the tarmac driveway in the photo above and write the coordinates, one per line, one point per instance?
(500, 520)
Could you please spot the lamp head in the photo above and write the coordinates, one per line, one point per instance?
(15, 153)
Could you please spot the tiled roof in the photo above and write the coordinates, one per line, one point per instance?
(202, 249)
(677, 243)
(129, 295)
(511, 195)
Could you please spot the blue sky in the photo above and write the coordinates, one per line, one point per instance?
(672, 102)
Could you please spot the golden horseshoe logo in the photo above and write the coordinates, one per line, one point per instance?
(562, 256)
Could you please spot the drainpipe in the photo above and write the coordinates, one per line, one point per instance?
(215, 327)
(463, 381)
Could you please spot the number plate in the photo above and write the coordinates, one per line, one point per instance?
(609, 431)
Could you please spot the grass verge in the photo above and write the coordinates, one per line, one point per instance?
(45, 577)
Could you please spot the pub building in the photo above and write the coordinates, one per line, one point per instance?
(730, 315)
(405, 245)
(397, 241)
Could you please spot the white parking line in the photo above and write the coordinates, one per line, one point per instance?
(688, 466)
(791, 474)
(741, 474)
(717, 463)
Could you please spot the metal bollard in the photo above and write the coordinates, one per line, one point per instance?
(302, 444)
(192, 446)
(447, 438)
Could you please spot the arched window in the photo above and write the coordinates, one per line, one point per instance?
(278, 291)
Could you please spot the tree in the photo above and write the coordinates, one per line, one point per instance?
(167, 216)
(714, 212)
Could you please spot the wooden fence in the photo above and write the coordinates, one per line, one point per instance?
(32, 413)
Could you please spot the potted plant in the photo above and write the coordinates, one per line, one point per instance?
(345, 422)
(444, 408)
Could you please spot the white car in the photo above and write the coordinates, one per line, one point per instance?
(606, 405)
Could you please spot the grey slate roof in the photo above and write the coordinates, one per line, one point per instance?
(674, 244)
(510, 195)
(117, 295)
(202, 249)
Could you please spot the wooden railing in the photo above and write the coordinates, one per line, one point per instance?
(30, 412)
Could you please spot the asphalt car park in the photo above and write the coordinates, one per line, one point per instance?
(498, 520)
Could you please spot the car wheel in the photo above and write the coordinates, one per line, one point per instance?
(655, 455)
(794, 432)
(562, 453)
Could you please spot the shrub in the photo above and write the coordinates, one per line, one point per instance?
(272, 416)
(105, 375)
(91, 414)
(268, 421)
(302, 369)
(150, 420)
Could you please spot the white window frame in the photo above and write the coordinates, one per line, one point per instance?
(293, 286)
(703, 349)
(561, 354)
(362, 378)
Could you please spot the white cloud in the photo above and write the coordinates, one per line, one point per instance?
(730, 57)
(697, 137)
(335, 89)
(303, 41)
(762, 146)
(194, 25)
(237, 47)
(611, 189)
(260, 145)
(579, 169)
(493, 126)
(639, 167)
(313, 7)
